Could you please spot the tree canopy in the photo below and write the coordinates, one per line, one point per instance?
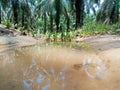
(57, 15)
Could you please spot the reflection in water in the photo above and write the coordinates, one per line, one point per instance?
(27, 84)
(98, 65)
(36, 74)
(46, 87)
(40, 78)
(49, 68)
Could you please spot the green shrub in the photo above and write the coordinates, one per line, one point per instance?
(7, 23)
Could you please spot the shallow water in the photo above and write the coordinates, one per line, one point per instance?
(52, 67)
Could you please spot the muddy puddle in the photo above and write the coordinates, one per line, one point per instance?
(53, 67)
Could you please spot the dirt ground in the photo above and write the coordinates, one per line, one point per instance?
(104, 42)
(106, 46)
(8, 42)
(12, 38)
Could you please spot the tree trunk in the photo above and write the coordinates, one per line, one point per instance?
(23, 14)
(57, 18)
(0, 15)
(68, 19)
(44, 22)
(114, 17)
(51, 21)
(79, 6)
(93, 9)
(15, 6)
(68, 24)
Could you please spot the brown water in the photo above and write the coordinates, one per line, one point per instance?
(52, 68)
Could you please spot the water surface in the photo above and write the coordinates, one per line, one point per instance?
(53, 67)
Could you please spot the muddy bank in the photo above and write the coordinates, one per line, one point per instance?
(108, 48)
(12, 38)
(8, 42)
(103, 42)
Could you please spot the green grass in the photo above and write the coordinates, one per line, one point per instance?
(98, 28)
(88, 29)
(6, 23)
(63, 36)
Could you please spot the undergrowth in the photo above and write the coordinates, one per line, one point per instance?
(88, 29)
(98, 28)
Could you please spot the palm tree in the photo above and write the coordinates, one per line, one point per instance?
(62, 7)
(3, 5)
(48, 8)
(51, 21)
(109, 12)
(15, 7)
(67, 18)
(43, 6)
(0, 14)
(79, 7)
(91, 5)
(114, 17)
(53, 8)
(25, 13)
(58, 12)
(66, 10)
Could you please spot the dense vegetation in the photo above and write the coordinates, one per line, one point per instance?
(62, 19)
